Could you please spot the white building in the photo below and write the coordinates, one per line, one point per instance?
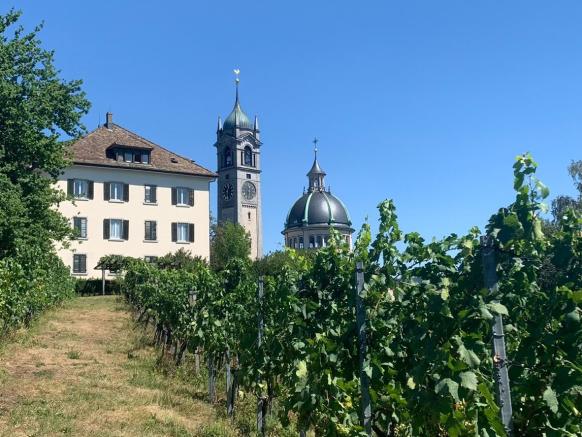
(132, 197)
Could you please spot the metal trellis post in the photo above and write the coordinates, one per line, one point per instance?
(503, 392)
(261, 401)
(361, 328)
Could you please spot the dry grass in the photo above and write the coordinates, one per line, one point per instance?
(85, 369)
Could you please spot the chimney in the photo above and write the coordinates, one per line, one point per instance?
(108, 120)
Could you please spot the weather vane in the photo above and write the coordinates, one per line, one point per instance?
(236, 72)
(315, 141)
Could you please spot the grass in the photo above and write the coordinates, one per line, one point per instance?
(86, 369)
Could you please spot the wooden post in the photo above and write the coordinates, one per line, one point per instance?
(211, 380)
(229, 407)
(503, 392)
(261, 400)
(103, 281)
(361, 329)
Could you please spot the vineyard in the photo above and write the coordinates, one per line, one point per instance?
(291, 338)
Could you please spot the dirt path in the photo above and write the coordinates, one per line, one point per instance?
(85, 369)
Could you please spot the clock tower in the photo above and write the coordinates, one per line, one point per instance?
(238, 153)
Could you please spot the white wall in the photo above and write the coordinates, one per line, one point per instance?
(136, 211)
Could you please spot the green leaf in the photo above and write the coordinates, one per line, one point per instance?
(468, 356)
(301, 371)
(498, 308)
(410, 383)
(449, 386)
(469, 380)
(551, 399)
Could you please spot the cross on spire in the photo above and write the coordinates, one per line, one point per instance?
(315, 141)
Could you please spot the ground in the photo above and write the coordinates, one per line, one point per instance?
(87, 369)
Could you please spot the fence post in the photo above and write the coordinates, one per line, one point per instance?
(361, 328)
(261, 401)
(503, 392)
(103, 281)
(211, 380)
(229, 406)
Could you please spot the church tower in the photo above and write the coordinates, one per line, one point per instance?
(238, 152)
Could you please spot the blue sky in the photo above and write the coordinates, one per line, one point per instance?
(424, 102)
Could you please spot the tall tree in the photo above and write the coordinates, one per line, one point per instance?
(561, 203)
(37, 111)
(230, 241)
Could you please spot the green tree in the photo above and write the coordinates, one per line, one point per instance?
(562, 203)
(230, 241)
(38, 110)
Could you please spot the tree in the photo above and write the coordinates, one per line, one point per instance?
(562, 203)
(38, 110)
(230, 241)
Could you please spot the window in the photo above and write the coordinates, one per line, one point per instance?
(116, 191)
(249, 215)
(227, 157)
(150, 258)
(79, 263)
(128, 155)
(150, 194)
(80, 227)
(311, 241)
(248, 156)
(150, 230)
(248, 175)
(115, 229)
(182, 196)
(183, 232)
(319, 241)
(80, 188)
(300, 242)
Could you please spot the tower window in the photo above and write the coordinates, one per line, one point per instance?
(227, 157)
(248, 175)
(248, 156)
(249, 215)
(300, 242)
(311, 241)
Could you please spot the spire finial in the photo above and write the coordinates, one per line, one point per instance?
(315, 141)
(236, 81)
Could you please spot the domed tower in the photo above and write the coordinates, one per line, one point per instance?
(238, 152)
(312, 216)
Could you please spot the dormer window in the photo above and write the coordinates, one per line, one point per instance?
(124, 154)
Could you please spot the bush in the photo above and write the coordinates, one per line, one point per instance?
(30, 283)
(93, 287)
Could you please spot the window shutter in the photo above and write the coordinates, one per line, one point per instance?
(106, 229)
(70, 184)
(148, 229)
(125, 230)
(106, 190)
(154, 230)
(90, 194)
(191, 232)
(83, 263)
(84, 227)
(174, 232)
(153, 194)
(174, 196)
(126, 192)
(191, 197)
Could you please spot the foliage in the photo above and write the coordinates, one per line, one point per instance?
(37, 109)
(230, 241)
(428, 316)
(181, 259)
(30, 283)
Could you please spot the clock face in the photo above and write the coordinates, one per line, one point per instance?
(227, 191)
(249, 191)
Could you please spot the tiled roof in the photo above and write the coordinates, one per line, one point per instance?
(91, 150)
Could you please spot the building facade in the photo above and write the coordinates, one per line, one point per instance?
(134, 198)
(315, 213)
(238, 153)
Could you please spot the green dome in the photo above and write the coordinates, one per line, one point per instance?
(237, 118)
